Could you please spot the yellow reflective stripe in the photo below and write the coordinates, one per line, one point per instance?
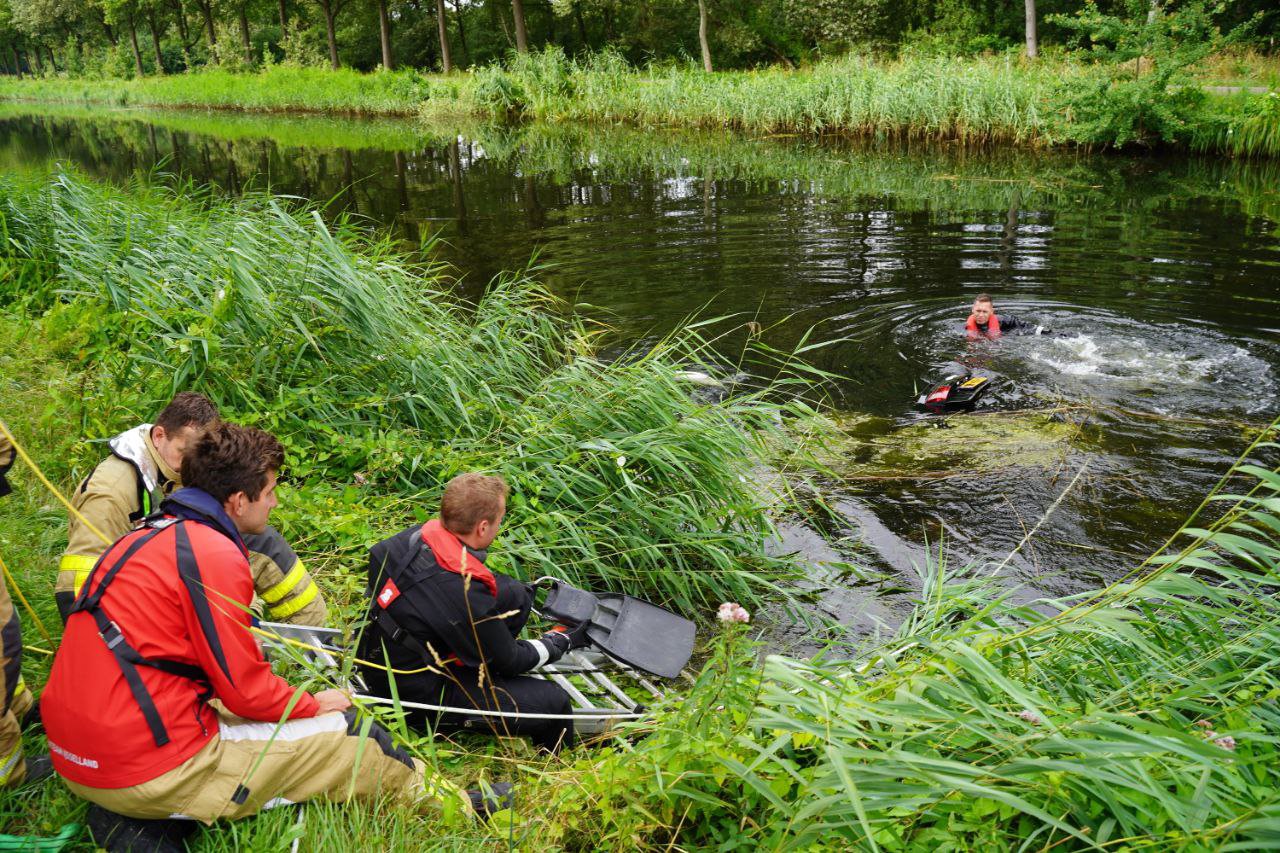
(280, 590)
(80, 565)
(10, 763)
(284, 611)
(20, 688)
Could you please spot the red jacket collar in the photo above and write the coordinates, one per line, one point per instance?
(455, 557)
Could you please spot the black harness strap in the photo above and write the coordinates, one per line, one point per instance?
(127, 657)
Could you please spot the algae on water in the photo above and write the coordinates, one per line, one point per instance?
(964, 445)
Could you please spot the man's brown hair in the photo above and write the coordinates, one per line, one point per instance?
(983, 297)
(468, 498)
(230, 458)
(187, 409)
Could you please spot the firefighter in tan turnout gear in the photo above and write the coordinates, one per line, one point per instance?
(15, 698)
(130, 484)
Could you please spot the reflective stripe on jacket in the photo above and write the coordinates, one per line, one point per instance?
(290, 593)
(122, 490)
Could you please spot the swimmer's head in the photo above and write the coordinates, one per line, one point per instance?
(983, 308)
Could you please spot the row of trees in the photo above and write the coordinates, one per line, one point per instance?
(121, 37)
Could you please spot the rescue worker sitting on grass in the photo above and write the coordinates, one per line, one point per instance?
(160, 628)
(439, 613)
(130, 484)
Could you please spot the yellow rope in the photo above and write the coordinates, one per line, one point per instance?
(338, 653)
(22, 453)
(13, 584)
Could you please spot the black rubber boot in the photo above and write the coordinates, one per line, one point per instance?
(39, 768)
(31, 720)
(495, 799)
(119, 834)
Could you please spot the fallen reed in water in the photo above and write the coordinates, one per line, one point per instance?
(382, 385)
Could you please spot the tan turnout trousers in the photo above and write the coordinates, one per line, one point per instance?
(15, 698)
(250, 766)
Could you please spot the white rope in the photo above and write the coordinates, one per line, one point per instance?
(604, 715)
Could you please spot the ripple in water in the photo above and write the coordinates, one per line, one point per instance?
(1170, 368)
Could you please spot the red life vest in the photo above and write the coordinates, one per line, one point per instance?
(993, 327)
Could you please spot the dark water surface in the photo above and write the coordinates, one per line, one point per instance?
(1159, 277)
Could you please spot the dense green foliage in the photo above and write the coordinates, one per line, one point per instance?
(977, 101)
(111, 38)
(1143, 715)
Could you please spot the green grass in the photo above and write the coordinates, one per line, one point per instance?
(277, 89)
(1090, 722)
(978, 101)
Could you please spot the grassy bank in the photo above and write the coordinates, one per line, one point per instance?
(995, 100)
(1140, 716)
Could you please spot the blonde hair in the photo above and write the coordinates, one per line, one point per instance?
(470, 498)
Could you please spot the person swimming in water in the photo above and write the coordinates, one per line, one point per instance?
(984, 322)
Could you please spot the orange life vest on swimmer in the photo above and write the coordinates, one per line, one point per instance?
(992, 330)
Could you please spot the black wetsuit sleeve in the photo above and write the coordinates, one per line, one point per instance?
(1010, 323)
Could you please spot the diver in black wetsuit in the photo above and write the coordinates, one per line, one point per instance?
(984, 322)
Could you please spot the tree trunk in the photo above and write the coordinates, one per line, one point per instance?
(35, 55)
(1033, 44)
(181, 14)
(245, 38)
(582, 25)
(462, 35)
(133, 43)
(329, 31)
(446, 60)
(206, 8)
(284, 19)
(522, 32)
(111, 34)
(384, 31)
(702, 35)
(155, 41)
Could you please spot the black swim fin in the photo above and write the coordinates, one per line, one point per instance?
(638, 633)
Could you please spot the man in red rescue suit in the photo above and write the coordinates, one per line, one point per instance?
(438, 611)
(161, 627)
(130, 484)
